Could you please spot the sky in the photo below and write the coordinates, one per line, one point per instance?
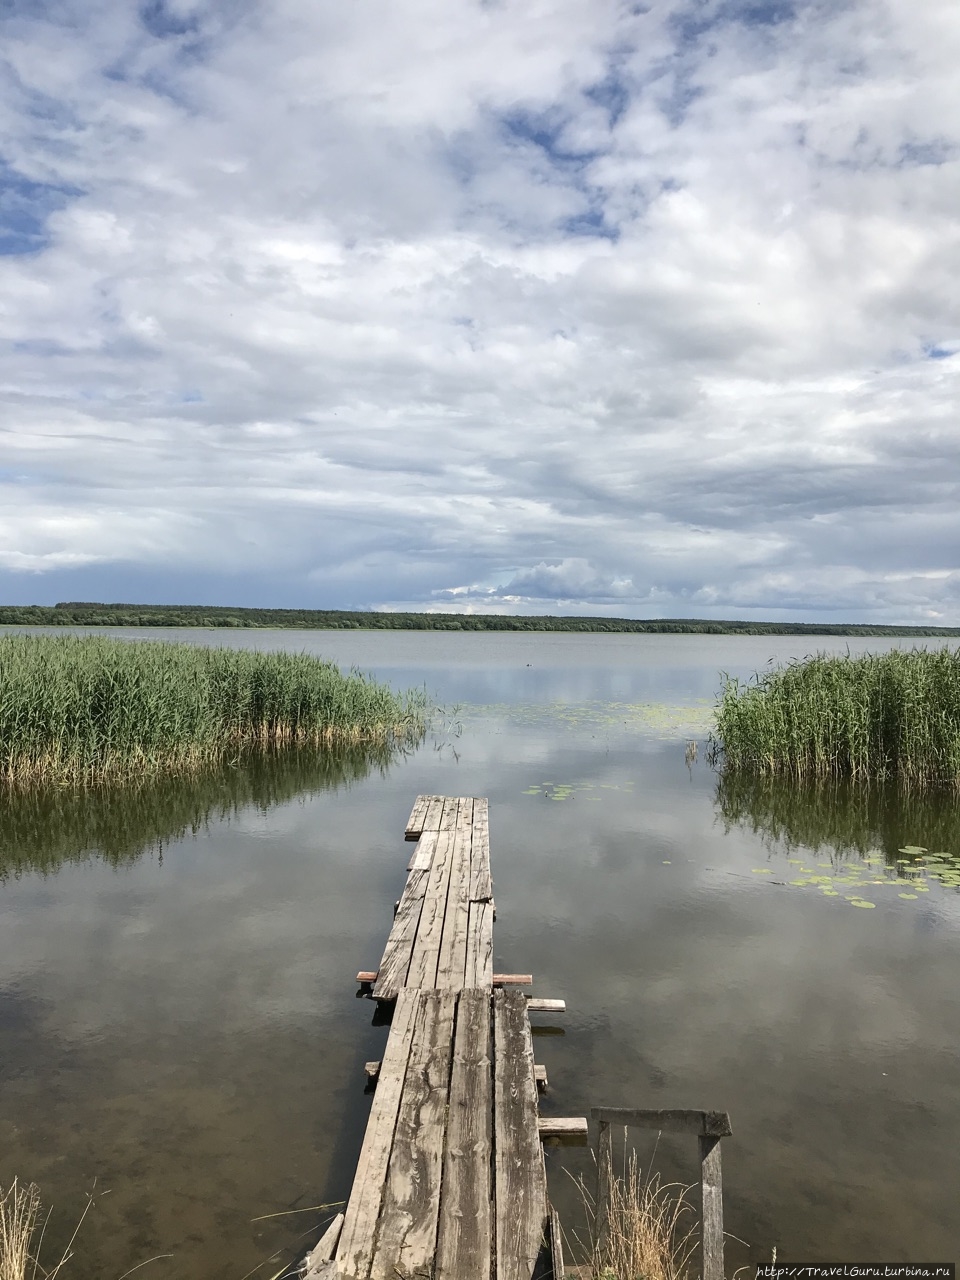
(561, 306)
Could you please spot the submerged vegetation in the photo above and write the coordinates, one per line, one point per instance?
(894, 715)
(79, 709)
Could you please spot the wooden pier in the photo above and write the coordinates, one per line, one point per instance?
(451, 1183)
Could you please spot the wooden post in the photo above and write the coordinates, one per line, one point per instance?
(556, 1248)
(711, 1207)
(604, 1179)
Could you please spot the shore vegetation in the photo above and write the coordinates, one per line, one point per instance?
(82, 709)
(91, 614)
(894, 715)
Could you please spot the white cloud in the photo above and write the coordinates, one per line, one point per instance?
(635, 312)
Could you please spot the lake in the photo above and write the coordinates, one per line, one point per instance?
(180, 1028)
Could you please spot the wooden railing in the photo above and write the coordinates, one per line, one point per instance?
(709, 1127)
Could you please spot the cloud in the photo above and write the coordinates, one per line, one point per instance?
(483, 305)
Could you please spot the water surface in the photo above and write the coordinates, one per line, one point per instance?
(177, 1010)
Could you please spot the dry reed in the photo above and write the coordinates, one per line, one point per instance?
(649, 1231)
(19, 1211)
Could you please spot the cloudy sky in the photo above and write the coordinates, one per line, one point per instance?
(590, 306)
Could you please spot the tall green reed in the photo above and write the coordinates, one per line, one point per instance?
(877, 716)
(85, 708)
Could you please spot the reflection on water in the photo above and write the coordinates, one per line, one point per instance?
(841, 815)
(43, 827)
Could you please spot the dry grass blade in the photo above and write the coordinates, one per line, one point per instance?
(650, 1229)
(19, 1211)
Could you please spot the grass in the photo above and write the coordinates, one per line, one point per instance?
(81, 709)
(19, 1211)
(883, 716)
(19, 1216)
(650, 1233)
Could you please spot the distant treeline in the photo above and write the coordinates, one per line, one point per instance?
(82, 614)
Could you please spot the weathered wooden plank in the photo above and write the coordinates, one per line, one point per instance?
(315, 1263)
(448, 817)
(536, 1005)
(604, 1184)
(363, 1208)
(426, 946)
(417, 814)
(478, 970)
(392, 974)
(556, 1247)
(452, 959)
(715, 1124)
(562, 1126)
(521, 1196)
(711, 1204)
(407, 1232)
(481, 881)
(539, 1074)
(513, 979)
(422, 856)
(466, 1208)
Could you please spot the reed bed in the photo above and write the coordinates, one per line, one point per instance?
(894, 715)
(81, 709)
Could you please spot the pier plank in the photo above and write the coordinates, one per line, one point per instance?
(521, 1192)
(536, 1005)
(479, 961)
(422, 856)
(407, 1233)
(450, 807)
(426, 947)
(451, 965)
(417, 814)
(317, 1264)
(481, 881)
(363, 1208)
(395, 964)
(466, 1210)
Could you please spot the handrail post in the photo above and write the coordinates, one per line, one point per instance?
(604, 1179)
(711, 1208)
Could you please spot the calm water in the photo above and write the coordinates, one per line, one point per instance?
(181, 1035)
